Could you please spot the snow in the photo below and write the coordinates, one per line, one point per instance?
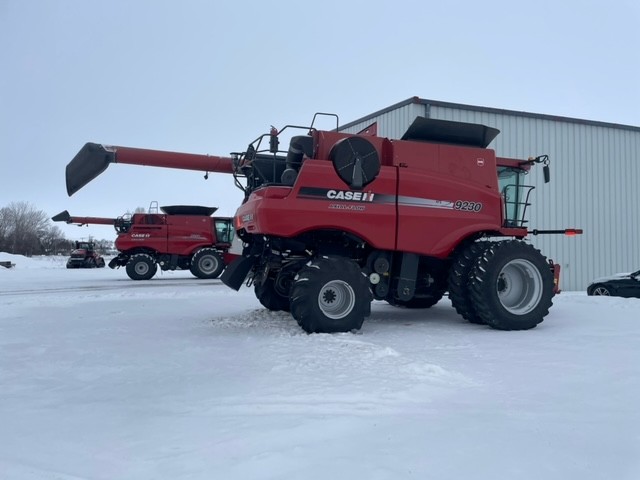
(102, 377)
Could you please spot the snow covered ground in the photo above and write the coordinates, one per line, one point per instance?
(102, 377)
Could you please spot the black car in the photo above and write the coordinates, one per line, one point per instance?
(618, 285)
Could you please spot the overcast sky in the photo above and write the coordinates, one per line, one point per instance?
(210, 76)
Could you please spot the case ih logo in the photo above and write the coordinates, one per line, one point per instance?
(140, 235)
(350, 195)
(314, 193)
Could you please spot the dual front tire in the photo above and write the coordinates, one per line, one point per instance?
(510, 286)
(459, 281)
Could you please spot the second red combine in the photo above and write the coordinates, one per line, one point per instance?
(183, 237)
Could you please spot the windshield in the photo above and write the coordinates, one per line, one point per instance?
(514, 193)
(224, 231)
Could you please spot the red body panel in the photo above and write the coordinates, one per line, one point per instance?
(445, 194)
(173, 234)
(188, 233)
(428, 221)
(426, 199)
(147, 230)
(303, 210)
(228, 257)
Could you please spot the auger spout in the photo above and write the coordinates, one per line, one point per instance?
(94, 158)
(67, 218)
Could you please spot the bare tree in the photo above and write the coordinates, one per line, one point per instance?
(54, 242)
(4, 229)
(23, 227)
(103, 246)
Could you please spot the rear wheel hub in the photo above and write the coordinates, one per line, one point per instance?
(141, 268)
(519, 286)
(336, 299)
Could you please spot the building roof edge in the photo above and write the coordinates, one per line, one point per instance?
(501, 111)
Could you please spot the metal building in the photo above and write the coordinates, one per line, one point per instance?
(595, 179)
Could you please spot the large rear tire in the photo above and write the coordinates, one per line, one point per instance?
(511, 286)
(330, 294)
(459, 281)
(270, 298)
(207, 263)
(141, 267)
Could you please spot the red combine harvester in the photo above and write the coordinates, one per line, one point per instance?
(338, 220)
(184, 237)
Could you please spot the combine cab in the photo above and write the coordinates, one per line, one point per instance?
(85, 256)
(337, 220)
(183, 237)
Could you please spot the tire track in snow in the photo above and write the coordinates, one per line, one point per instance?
(104, 288)
(333, 372)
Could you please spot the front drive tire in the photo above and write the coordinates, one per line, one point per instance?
(141, 267)
(459, 283)
(511, 286)
(207, 263)
(330, 294)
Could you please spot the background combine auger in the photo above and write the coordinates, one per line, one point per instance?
(184, 237)
(338, 220)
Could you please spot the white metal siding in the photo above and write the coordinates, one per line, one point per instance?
(594, 186)
(391, 124)
(595, 183)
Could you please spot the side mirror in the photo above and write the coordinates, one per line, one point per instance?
(547, 173)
